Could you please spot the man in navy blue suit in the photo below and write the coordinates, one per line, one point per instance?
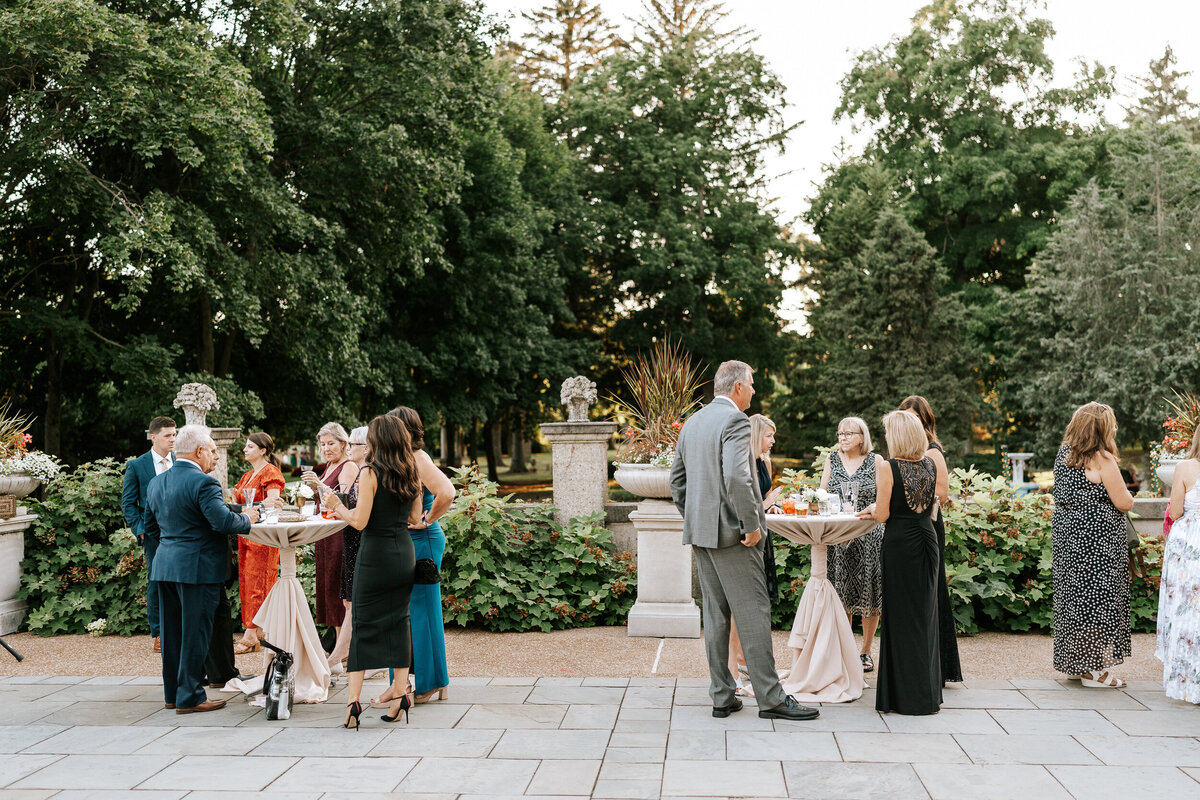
(138, 474)
(185, 509)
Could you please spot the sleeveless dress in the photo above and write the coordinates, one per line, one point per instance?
(383, 581)
(951, 666)
(425, 608)
(330, 610)
(1178, 645)
(1091, 574)
(258, 564)
(350, 540)
(910, 673)
(854, 567)
(764, 486)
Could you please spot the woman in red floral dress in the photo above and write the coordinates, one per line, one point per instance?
(258, 564)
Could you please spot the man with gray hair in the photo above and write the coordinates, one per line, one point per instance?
(714, 487)
(185, 510)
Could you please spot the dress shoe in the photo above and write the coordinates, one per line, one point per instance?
(168, 705)
(207, 705)
(720, 712)
(789, 709)
(157, 646)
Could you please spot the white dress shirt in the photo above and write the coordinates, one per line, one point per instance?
(161, 463)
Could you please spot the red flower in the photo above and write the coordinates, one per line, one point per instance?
(676, 424)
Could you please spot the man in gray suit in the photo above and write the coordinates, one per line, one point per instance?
(714, 487)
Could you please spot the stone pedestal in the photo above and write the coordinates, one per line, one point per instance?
(223, 438)
(664, 604)
(12, 552)
(579, 452)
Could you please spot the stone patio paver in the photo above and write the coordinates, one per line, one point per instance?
(637, 738)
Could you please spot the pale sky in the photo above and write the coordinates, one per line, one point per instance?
(811, 45)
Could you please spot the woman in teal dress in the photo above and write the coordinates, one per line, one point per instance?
(425, 606)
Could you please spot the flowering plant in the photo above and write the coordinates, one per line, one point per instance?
(662, 391)
(15, 455)
(1181, 424)
(301, 490)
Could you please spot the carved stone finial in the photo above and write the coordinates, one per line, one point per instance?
(577, 395)
(196, 400)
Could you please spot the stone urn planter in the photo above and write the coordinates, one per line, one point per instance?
(19, 484)
(1166, 472)
(645, 480)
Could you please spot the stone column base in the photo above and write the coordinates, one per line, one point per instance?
(664, 604)
(12, 614)
(670, 620)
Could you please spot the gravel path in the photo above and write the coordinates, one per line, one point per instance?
(596, 652)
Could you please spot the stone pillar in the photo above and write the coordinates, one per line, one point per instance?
(664, 604)
(223, 438)
(12, 553)
(579, 466)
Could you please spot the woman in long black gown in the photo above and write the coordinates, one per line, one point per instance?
(383, 577)
(948, 637)
(910, 673)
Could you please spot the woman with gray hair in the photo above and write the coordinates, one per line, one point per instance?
(339, 475)
(854, 567)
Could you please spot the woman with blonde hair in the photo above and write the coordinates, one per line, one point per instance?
(951, 667)
(762, 439)
(340, 474)
(854, 567)
(910, 673)
(1178, 646)
(1090, 572)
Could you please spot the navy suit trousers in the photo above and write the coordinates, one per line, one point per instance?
(186, 616)
(150, 545)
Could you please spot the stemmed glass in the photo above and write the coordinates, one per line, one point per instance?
(248, 495)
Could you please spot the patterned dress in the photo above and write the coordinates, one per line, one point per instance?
(1091, 574)
(1178, 645)
(854, 567)
(258, 564)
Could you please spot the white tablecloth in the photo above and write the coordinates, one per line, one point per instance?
(284, 615)
(825, 665)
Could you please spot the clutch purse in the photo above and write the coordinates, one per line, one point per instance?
(427, 572)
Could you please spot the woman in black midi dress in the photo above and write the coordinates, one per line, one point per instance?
(383, 576)
(910, 672)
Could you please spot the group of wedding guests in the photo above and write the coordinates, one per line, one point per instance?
(381, 482)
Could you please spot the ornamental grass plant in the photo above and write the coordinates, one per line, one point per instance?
(1181, 422)
(662, 391)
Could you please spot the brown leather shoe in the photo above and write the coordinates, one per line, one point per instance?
(207, 705)
(168, 705)
(158, 644)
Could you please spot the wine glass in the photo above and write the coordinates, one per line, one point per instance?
(248, 496)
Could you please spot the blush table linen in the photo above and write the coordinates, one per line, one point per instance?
(825, 664)
(284, 615)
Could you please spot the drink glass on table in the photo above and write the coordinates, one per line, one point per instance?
(788, 505)
(248, 498)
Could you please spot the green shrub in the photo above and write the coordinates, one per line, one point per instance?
(510, 569)
(999, 559)
(81, 562)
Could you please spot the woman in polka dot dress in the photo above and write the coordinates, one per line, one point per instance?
(1091, 580)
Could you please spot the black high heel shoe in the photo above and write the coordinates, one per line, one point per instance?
(405, 705)
(353, 712)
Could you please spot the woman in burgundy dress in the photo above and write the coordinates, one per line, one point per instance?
(339, 475)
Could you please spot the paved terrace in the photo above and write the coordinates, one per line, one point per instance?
(101, 737)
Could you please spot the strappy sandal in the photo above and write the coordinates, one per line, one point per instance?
(244, 647)
(1101, 680)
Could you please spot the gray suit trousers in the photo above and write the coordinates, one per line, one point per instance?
(732, 581)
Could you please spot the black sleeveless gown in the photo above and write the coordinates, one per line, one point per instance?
(910, 669)
(383, 581)
(951, 666)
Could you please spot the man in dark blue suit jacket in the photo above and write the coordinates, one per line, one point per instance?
(185, 509)
(138, 474)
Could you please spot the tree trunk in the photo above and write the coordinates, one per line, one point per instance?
(472, 443)
(519, 450)
(495, 432)
(222, 370)
(206, 357)
(451, 446)
(491, 444)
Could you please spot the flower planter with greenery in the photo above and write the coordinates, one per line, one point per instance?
(21, 470)
(1180, 426)
(662, 391)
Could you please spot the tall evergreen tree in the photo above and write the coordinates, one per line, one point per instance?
(567, 40)
(1163, 97)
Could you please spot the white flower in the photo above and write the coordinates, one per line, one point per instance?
(303, 490)
(35, 464)
(96, 627)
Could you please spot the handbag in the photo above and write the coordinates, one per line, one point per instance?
(427, 572)
(279, 684)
